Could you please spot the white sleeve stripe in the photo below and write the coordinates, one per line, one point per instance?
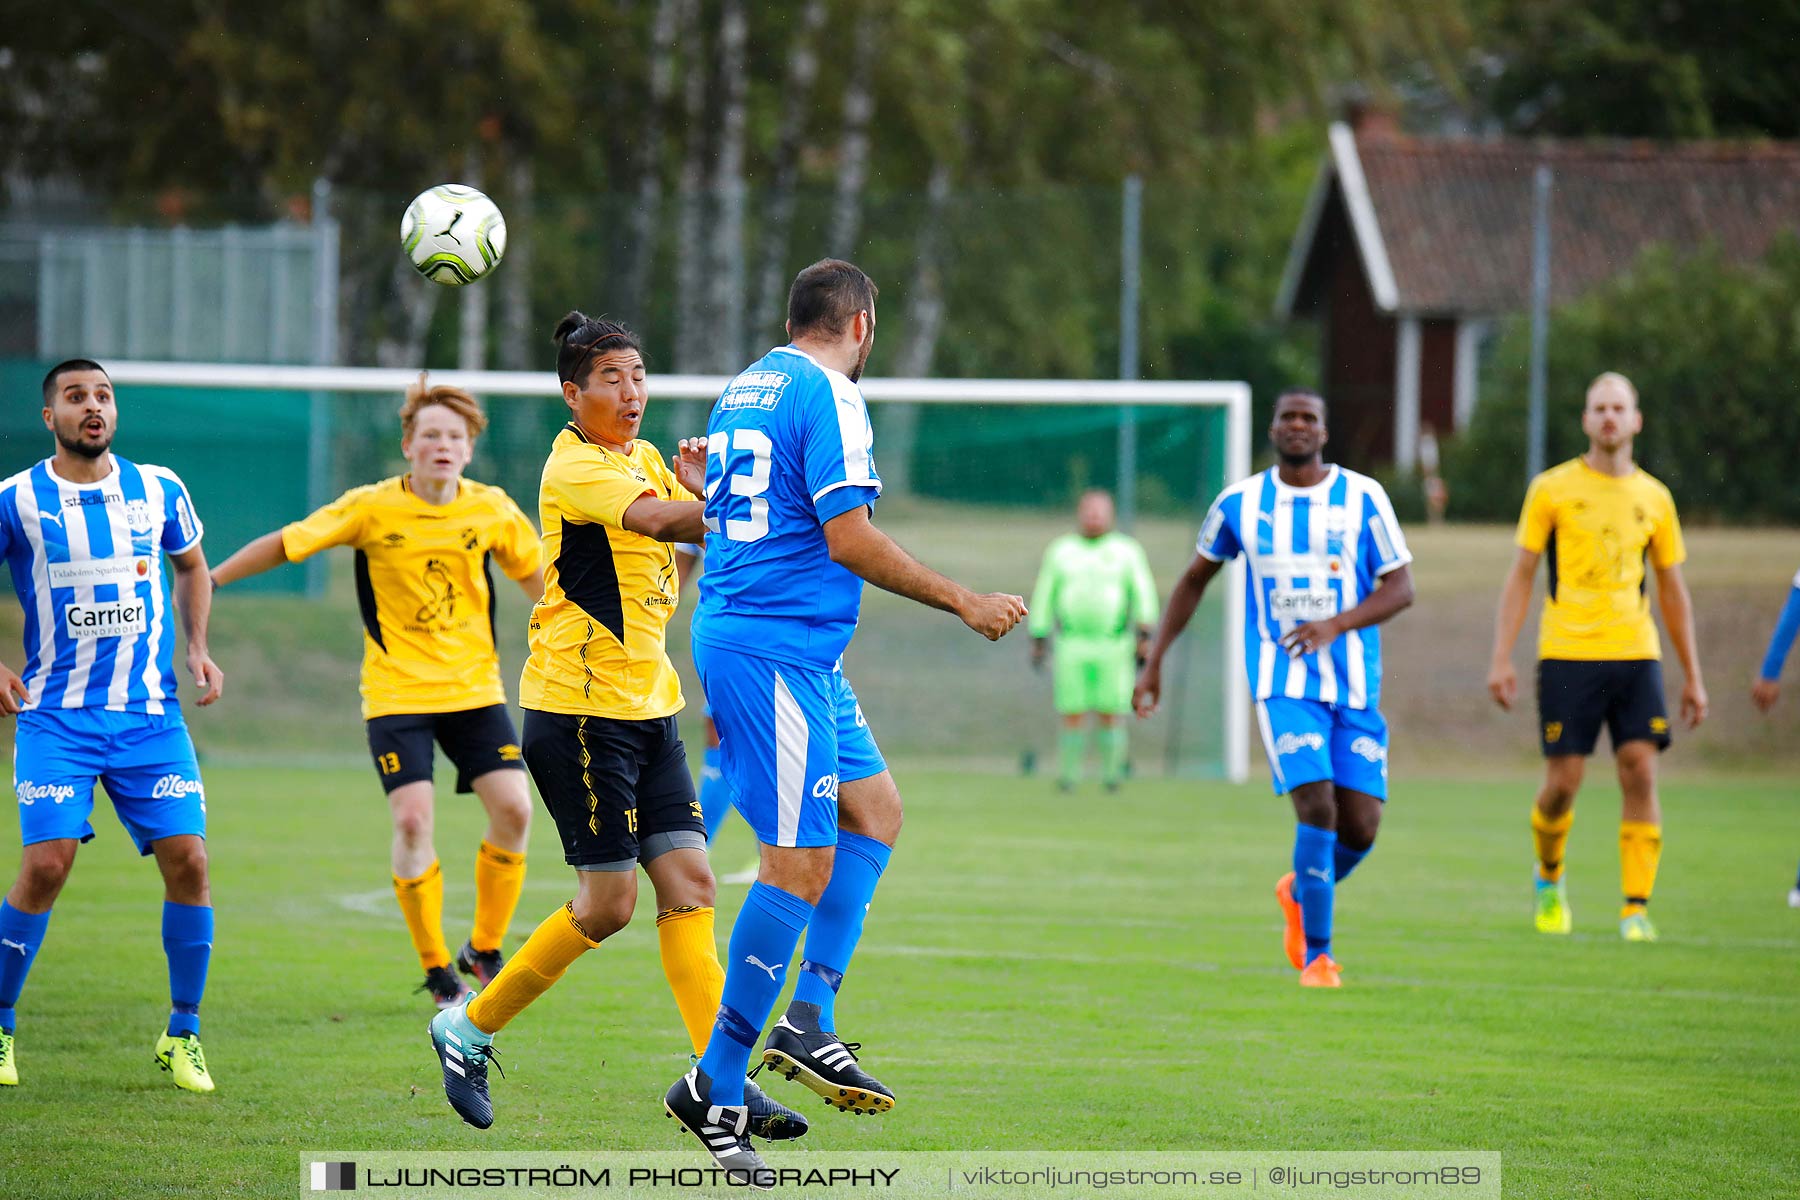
(1384, 545)
(853, 428)
(1390, 568)
(844, 483)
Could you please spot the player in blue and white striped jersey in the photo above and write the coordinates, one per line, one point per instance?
(1326, 563)
(84, 533)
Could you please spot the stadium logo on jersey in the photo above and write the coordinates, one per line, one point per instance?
(30, 793)
(826, 788)
(1370, 749)
(755, 389)
(122, 619)
(1294, 743)
(89, 499)
(172, 786)
(139, 516)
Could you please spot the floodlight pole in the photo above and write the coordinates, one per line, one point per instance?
(1130, 252)
(1540, 319)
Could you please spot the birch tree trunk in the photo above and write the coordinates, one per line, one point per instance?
(853, 151)
(472, 317)
(725, 348)
(515, 272)
(770, 308)
(646, 214)
(415, 300)
(924, 324)
(690, 245)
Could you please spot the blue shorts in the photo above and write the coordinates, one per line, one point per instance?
(787, 737)
(1308, 741)
(146, 761)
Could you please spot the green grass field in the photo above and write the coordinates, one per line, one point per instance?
(1040, 971)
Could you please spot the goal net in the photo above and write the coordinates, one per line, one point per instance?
(979, 474)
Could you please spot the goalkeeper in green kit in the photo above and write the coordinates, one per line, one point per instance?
(1095, 593)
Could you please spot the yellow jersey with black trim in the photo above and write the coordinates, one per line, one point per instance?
(425, 587)
(1599, 534)
(597, 636)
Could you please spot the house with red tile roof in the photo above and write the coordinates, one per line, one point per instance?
(1411, 249)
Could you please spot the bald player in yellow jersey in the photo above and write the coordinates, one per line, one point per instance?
(600, 698)
(1603, 525)
(424, 542)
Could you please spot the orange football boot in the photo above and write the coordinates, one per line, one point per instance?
(1321, 972)
(1293, 938)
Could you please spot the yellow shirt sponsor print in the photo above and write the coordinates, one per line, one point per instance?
(423, 585)
(1599, 535)
(597, 636)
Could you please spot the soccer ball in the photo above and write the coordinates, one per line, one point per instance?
(453, 234)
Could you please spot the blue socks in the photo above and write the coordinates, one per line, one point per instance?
(1314, 883)
(762, 944)
(1344, 859)
(187, 934)
(838, 924)
(715, 795)
(21, 934)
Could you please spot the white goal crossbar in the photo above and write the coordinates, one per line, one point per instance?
(1232, 396)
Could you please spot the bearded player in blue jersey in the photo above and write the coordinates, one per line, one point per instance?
(790, 483)
(84, 533)
(1326, 564)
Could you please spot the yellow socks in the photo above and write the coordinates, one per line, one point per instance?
(499, 874)
(422, 904)
(690, 958)
(1551, 835)
(539, 963)
(1640, 850)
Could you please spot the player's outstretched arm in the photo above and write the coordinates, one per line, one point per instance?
(666, 520)
(1678, 613)
(253, 558)
(193, 600)
(1393, 594)
(858, 546)
(1182, 603)
(1767, 688)
(1509, 618)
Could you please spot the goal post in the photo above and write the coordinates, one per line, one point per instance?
(995, 479)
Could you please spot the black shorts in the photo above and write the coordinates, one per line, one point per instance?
(1575, 697)
(619, 791)
(477, 740)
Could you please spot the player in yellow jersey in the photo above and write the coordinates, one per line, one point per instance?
(423, 544)
(600, 698)
(1602, 524)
